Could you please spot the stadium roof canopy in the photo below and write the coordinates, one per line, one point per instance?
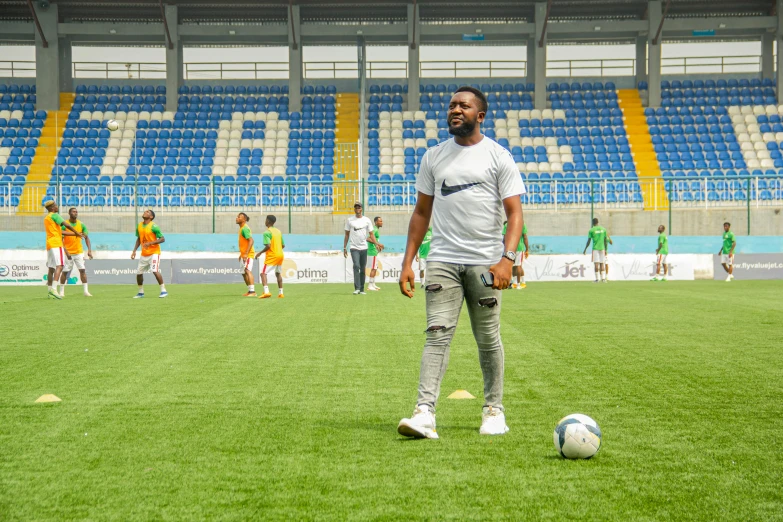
(347, 11)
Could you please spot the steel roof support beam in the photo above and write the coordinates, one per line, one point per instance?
(295, 72)
(413, 57)
(655, 20)
(166, 24)
(539, 68)
(174, 60)
(41, 35)
(657, 38)
(546, 20)
(779, 40)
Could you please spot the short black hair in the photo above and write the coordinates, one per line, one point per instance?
(727, 223)
(482, 98)
(375, 219)
(152, 212)
(72, 208)
(246, 216)
(272, 219)
(595, 221)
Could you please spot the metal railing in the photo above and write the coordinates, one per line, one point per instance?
(598, 67)
(393, 69)
(17, 69)
(711, 64)
(122, 70)
(236, 70)
(473, 69)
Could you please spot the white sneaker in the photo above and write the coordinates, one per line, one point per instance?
(493, 422)
(355, 292)
(87, 294)
(421, 425)
(731, 276)
(728, 278)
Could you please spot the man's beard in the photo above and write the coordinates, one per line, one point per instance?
(463, 130)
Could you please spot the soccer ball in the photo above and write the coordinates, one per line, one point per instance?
(112, 125)
(577, 436)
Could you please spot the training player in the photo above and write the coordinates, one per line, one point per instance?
(599, 237)
(55, 253)
(466, 185)
(246, 253)
(662, 253)
(75, 253)
(522, 254)
(149, 237)
(727, 251)
(421, 256)
(373, 249)
(273, 262)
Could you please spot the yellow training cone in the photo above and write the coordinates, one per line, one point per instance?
(461, 394)
(48, 398)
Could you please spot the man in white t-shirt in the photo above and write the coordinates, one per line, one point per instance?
(468, 186)
(358, 230)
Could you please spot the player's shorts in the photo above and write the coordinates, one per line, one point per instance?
(599, 256)
(268, 269)
(55, 257)
(76, 260)
(149, 264)
(663, 259)
(372, 262)
(422, 264)
(727, 259)
(247, 264)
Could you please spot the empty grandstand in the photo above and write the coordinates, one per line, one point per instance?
(597, 138)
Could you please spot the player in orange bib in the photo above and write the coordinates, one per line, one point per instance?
(246, 253)
(273, 248)
(149, 237)
(74, 252)
(55, 253)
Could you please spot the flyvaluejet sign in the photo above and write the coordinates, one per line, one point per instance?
(622, 267)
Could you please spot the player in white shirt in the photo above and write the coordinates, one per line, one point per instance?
(466, 186)
(358, 230)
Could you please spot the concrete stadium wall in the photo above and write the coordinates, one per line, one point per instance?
(766, 221)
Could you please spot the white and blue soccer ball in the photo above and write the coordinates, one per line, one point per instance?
(577, 436)
(112, 125)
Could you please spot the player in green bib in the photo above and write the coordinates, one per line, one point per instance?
(424, 251)
(726, 252)
(373, 251)
(662, 253)
(600, 237)
(518, 270)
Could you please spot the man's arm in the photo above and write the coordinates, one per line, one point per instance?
(660, 246)
(527, 247)
(371, 238)
(345, 243)
(587, 245)
(262, 251)
(69, 227)
(158, 241)
(417, 228)
(136, 247)
(502, 269)
(733, 246)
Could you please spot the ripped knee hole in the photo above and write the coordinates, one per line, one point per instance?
(434, 288)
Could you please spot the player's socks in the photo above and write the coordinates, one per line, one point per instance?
(279, 292)
(84, 288)
(266, 289)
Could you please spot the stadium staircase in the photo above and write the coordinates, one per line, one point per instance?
(43, 162)
(640, 140)
(346, 154)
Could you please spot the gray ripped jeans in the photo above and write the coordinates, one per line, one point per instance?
(447, 285)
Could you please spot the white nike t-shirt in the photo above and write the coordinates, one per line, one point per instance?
(469, 185)
(359, 229)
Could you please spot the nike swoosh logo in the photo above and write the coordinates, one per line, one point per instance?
(447, 190)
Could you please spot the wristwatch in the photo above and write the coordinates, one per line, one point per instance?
(510, 255)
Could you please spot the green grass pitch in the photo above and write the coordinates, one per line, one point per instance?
(206, 405)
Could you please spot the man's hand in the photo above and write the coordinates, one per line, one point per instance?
(67, 255)
(133, 255)
(258, 255)
(345, 252)
(584, 252)
(380, 247)
(407, 281)
(502, 274)
(89, 254)
(145, 245)
(241, 257)
(527, 254)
